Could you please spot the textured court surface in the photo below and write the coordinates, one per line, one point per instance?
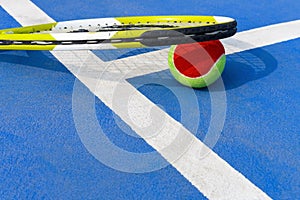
(41, 150)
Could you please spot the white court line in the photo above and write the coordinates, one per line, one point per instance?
(211, 175)
(260, 37)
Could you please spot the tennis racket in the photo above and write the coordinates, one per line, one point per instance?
(121, 32)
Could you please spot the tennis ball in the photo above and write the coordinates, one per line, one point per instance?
(197, 65)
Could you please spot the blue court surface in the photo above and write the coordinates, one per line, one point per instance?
(44, 156)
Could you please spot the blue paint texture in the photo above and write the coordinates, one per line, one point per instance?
(42, 156)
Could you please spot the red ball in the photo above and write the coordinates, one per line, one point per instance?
(197, 64)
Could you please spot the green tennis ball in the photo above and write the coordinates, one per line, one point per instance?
(197, 65)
